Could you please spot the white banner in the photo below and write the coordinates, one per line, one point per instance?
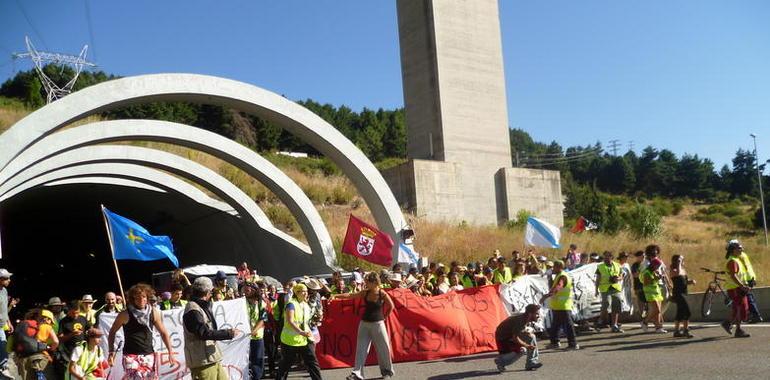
(587, 304)
(228, 314)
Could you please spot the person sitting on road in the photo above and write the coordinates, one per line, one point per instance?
(515, 337)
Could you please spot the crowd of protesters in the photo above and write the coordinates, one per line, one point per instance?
(63, 340)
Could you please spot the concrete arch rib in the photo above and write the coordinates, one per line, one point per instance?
(127, 175)
(221, 147)
(102, 181)
(193, 171)
(207, 89)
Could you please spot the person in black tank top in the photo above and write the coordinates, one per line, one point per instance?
(372, 327)
(138, 323)
(680, 281)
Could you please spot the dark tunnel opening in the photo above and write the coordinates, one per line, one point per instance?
(54, 239)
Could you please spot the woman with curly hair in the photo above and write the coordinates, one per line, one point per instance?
(137, 323)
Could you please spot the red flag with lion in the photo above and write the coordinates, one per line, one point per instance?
(367, 243)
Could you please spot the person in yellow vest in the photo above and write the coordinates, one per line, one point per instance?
(751, 276)
(519, 271)
(653, 293)
(201, 352)
(87, 360)
(502, 274)
(86, 309)
(608, 283)
(176, 301)
(296, 337)
(257, 313)
(561, 307)
(222, 291)
(738, 289)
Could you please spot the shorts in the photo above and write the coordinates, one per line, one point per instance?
(139, 367)
(612, 295)
(740, 304)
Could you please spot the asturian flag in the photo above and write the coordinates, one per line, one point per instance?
(540, 233)
(130, 241)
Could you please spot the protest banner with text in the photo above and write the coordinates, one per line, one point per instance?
(420, 328)
(228, 314)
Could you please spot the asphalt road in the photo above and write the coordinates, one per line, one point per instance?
(712, 354)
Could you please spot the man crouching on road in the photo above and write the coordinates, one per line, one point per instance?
(201, 352)
(515, 337)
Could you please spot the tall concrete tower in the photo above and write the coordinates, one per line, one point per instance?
(457, 119)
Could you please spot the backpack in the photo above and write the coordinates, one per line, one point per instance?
(25, 341)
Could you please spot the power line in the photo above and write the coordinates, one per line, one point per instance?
(90, 28)
(596, 149)
(26, 17)
(631, 145)
(613, 144)
(561, 160)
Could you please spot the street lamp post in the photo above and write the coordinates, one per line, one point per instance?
(761, 194)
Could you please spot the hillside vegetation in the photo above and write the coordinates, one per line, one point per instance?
(681, 204)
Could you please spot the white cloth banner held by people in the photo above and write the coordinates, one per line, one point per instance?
(586, 304)
(540, 233)
(235, 353)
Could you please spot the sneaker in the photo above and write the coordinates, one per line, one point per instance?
(573, 347)
(500, 367)
(533, 366)
(679, 334)
(353, 376)
(553, 346)
(755, 319)
(728, 326)
(6, 373)
(686, 333)
(661, 330)
(643, 326)
(617, 329)
(739, 333)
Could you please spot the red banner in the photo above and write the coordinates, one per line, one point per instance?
(367, 243)
(420, 328)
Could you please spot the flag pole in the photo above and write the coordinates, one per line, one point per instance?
(112, 250)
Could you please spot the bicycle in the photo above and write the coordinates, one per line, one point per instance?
(714, 287)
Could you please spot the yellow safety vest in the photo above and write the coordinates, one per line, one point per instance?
(562, 300)
(607, 271)
(750, 275)
(254, 319)
(167, 304)
(87, 362)
(502, 277)
(742, 274)
(289, 336)
(652, 291)
(90, 316)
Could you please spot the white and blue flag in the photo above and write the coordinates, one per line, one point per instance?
(541, 233)
(407, 255)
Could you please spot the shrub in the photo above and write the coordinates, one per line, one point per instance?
(281, 217)
(520, 221)
(644, 222)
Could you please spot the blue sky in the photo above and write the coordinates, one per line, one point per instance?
(692, 75)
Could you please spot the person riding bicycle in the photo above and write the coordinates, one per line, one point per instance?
(737, 288)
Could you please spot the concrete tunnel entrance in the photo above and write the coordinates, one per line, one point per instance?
(54, 238)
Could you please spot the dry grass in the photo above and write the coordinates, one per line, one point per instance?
(702, 243)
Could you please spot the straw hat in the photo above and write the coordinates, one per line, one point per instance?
(87, 298)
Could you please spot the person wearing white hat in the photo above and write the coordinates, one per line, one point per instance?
(86, 309)
(5, 325)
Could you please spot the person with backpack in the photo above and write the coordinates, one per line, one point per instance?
(33, 338)
(87, 361)
(71, 332)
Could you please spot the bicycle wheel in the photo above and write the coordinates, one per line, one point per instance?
(708, 297)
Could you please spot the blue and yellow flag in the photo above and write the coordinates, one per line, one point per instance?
(130, 241)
